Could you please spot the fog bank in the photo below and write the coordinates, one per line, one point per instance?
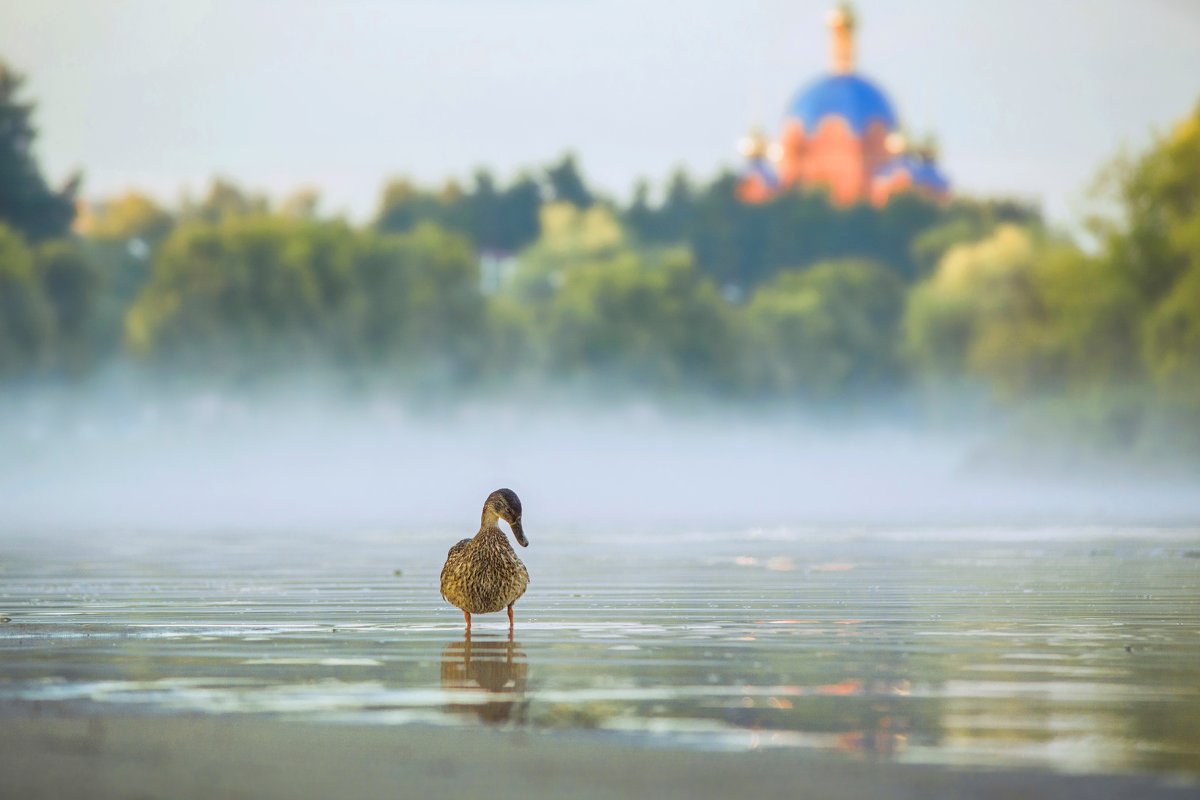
(215, 462)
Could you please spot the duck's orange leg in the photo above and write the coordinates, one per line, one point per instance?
(467, 615)
(510, 618)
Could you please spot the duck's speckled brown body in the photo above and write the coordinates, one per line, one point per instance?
(483, 574)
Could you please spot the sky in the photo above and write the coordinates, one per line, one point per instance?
(1026, 98)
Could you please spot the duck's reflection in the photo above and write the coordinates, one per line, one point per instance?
(495, 669)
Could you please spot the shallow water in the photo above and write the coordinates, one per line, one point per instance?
(1077, 650)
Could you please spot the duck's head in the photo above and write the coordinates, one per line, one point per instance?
(505, 504)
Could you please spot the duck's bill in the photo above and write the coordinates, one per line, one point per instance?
(519, 533)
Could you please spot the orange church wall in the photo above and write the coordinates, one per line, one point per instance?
(875, 151)
(794, 152)
(833, 157)
(754, 190)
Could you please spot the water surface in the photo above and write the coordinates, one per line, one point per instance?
(1076, 650)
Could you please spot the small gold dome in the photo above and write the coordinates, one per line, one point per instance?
(842, 16)
(754, 144)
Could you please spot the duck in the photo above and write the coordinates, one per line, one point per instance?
(482, 574)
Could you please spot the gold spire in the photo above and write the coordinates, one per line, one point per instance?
(842, 22)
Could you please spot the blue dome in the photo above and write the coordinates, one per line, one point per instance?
(922, 171)
(851, 97)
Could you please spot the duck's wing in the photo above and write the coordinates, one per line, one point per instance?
(455, 553)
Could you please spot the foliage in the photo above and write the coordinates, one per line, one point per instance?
(26, 202)
(1026, 313)
(1156, 238)
(230, 287)
(225, 200)
(570, 236)
(655, 324)
(127, 217)
(1172, 341)
(742, 246)
(566, 183)
(25, 319)
(962, 221)
(826, 332)
(418, 298)
(494, 218)
(583, 302)
(71, 285)
(684, 289)
(1156, 243)
(261, 290)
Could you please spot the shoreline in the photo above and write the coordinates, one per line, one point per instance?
(201, 756)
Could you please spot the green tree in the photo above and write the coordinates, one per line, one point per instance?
(26, 202)
(419, 301)
(1172, 341)
(639, 216)
(120, 237)
(949, 313)
(965, 220)
(501, 218)
(260, 293)
(1156, 236)
(1171, 349)
(520, 205)
(72, 285)
(742, 246)
(654, 325)
(129, 216)
(495, 218)
(404, 205)
(569, 237)
(567, 184)
(242, 291)
(1155, 241)
(672, 220)
(26, 325)
(826, 332)
(1027, 314)
(728, 238)
(225, 200)
(303, 203)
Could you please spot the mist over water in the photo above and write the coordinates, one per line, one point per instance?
(310, 460)
(700, 578)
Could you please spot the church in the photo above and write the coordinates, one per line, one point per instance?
(841, 134)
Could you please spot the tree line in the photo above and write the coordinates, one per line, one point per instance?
(543, 279)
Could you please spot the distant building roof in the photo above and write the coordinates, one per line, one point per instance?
(851, 97)
(760, 168)
(923, 171)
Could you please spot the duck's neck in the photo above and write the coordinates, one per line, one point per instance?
(489, 520)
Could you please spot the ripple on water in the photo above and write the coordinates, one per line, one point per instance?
(894, 646)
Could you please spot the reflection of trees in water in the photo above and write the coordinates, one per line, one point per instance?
(496, 669)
